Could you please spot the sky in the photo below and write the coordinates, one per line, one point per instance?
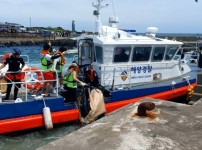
(169, 16)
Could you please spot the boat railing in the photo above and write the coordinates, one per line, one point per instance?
(190, 57)
(190, 52)
(107, 74)
(30, 78)
(110, 74)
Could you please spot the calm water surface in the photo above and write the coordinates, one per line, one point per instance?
(33, 139)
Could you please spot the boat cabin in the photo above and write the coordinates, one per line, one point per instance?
(122, 59)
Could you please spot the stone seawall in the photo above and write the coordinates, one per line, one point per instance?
(28, 39)
(24, 39)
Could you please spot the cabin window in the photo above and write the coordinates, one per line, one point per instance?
(158, 53)
(170, 52)
(122, 54)
(86, 53)
(141, 53)
(98, 54)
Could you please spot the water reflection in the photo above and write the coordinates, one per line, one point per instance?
(35, 138)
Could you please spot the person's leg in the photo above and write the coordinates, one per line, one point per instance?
(46, 87)
(60, 79)
(8, 90)
(74, 95)
(71, 95)
(48, 84)
(53, 83)
(17, 86)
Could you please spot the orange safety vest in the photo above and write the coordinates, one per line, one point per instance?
(91, 74)
(63, 61)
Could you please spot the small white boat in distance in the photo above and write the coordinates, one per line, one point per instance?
(72, 51)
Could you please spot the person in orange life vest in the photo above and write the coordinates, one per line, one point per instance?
(60, 63)
(70, 83)
(15, 66)
(47, 67)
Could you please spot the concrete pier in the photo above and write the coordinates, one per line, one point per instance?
(170, 126)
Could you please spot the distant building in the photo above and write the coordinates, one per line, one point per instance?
(73, 26)
(12, 27)
(9, 25)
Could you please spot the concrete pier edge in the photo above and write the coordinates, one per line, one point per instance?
(173, 126)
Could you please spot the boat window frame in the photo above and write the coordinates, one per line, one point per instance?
(125, 47)
(85, 51)
(169, 46)
(153, 51)
(96, 60)
(139, 46)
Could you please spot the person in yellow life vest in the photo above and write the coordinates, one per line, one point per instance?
(70, 81)
(15, 66)
(47, 67)
(60, 63)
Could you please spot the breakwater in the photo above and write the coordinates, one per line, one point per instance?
(30, 39)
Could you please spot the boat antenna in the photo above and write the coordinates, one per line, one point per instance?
(113, 8)
(116, 20)
(96, 12)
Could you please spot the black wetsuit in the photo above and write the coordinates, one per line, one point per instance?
(13, 66)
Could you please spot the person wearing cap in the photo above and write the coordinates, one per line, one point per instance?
(70, 81)
(60, 63)
(51, 49)
(48, 67)
(15, 66)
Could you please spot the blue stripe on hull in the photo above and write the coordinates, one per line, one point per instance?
(135, 93)
(14, 110)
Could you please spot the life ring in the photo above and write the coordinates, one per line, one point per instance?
(37, 85)
(3, 59)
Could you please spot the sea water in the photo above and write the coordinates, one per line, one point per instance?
(34, 52)
(35, 138)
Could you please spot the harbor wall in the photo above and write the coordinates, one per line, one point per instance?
(28, 39)
(170, 126)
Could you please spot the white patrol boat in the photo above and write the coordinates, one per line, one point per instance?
(134, 66)
(126, 67)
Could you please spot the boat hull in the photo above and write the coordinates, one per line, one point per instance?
(29, 115)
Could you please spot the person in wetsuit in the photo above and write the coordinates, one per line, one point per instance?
(15, 66)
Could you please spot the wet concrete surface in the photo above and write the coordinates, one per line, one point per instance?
(170, 126)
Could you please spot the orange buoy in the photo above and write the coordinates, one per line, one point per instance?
(37, 85)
